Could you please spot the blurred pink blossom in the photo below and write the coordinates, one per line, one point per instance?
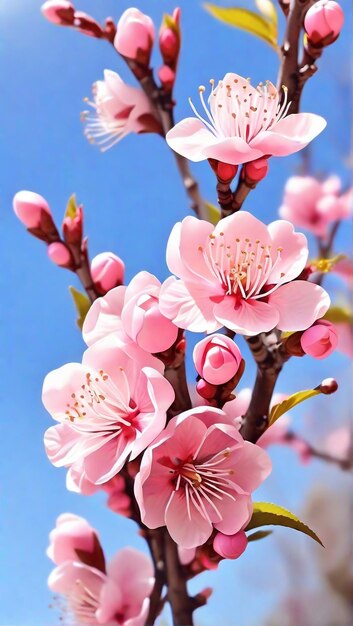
(314, 205)
(243, 123)
(238, 275)
(117, 597)
(199, 475)
(71, 533)
(109, 408)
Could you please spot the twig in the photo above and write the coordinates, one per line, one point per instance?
(181, 603)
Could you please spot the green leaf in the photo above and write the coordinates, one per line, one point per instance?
(82, 305)
(338, 314)
(249, 21)
(268, 514)
(213, 214)
(296, 398)
(268, 10)
(259, 534)
(71, 207)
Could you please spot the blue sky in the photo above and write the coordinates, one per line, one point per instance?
(132, 197)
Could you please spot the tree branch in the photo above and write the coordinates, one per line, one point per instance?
(181, 603)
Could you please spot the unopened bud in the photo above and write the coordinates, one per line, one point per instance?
(34, 212)
(135, 36)
(59, 254)
(217, 359)
(254, 171)
(169, 44)
(205, 390)
(59, 12)
(107, 271)
(72, 225)
(320, 340)
(323, 22)
(87, 25)
(230, 546)
(292, 344)
(167, 77)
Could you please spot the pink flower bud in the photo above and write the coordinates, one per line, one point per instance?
(319, 340)
(72, 227)
(205, 390)
(328, 386)
(87, 25)
(59, 254)
(135, 36)
(167, 77)
(107, 271)
(226, 172)
(230, 546)
(29, 208)
(59, 12)
(254, 171)
(72, 533)
(323, 22)
(169, 45)
(217, 359)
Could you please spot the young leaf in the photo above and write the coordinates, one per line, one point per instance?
(268, 10)
(213, 214)
(259, 534)
(249, 21)
(268, 514)
(338, 314)
(82, 305)
(71, 207)
(296, 398)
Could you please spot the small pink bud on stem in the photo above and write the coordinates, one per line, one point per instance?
(217, 359)
(135, 36)
(34, 212)
(323, 23)
(86, 25)
(205, 390)
(328, 386)
(107, 271)
(224, 171)
(59, 254)
(59, 12)
(255, 171)
(230, 546)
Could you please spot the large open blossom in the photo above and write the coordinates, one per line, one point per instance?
(314, 205)
(238, 275)
(242, 123)
(117, 597)
(198, 475)
(109, 408)
(118, 109)
(135, 310)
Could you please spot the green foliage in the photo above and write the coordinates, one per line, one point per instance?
(82, 305)
(213, 214)
(71, 207)
(262, 26)
(268, 514)
(259, 534)
(339, 315)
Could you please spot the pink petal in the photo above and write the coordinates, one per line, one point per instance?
(64, 445)
(178, 304)
(132, 571)
(186, 532)
(190, 138)
(232, 150)
(195, 234)
(299, 304)
(235, 515)
(248, 317)
(294, 255)
(243, 225)
(238, 407)
(63, 578)
(251, 466)
(290, 134)
(104, 316)
(102, 464)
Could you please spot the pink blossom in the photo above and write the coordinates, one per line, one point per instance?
(230, 546)
(109, 408)
(71, 533)
(243, 123)
(118, 109)
(107, 271)
(119, 596)
(135, 36)
(135, 310)
(314, 205)
(217, 359)
(320, 340)
(323, 20)
(238, 275)
(30, 208)
(198, 475)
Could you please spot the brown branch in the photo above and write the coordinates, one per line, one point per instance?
(181, 603)
(345, 464)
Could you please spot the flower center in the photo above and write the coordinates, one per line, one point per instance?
(100, 398)
(237, 110)
(83, 603)
(242, 266)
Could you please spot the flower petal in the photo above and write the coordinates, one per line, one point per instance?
(177, 303)
(233, 150)
(294, 254)
(299, 304)
(189, 138)
(290, 134)
(247, 317)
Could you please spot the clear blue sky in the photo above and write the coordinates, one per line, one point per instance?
(132, 197)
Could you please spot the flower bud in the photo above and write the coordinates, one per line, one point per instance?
(59, 254)
(167, 77)
(217, 359)
(59, 12)
(230, 546)
(107, 271)
(135, 36)
(34, 212)
(205, 390)
(72, 225)
(254, 171)
(323, 22)
(87, 25)
(328, 386)
(72, 534)
(320, 340)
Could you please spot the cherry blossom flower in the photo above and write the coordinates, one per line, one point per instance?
(314, 205)
(119, 596)
(238, 275)
(119, 109)
(109, 408)
(242, 123)
(71, 533)
(135, 310)
(198, 475)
